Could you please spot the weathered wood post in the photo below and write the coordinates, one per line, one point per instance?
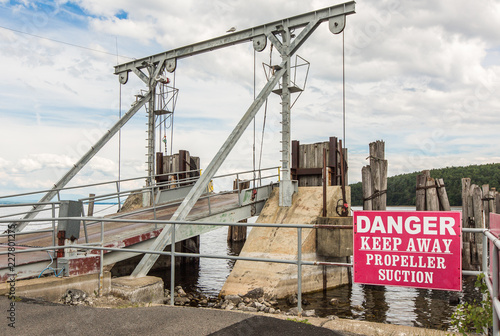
(431, 193)
(374, 178)
(421, 185)
(367, 188)
(238, 233)
(465, 224)
(444, 203)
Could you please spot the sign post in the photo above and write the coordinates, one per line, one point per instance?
(421, 249)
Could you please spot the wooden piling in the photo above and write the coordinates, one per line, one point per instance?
(374, 178)
(421, 184)
(431, 198)
(444, 203)
(367, 187)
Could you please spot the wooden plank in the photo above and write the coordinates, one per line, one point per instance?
(443, 196)
(477, 206)
(431, 198)
(465, 203)
(486, 204)
(367, 187)
(375, 174)
(420, 198)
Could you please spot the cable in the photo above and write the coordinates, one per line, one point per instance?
(120, 130)
(66, 43)
(343, 90)
(50, 268)
(254, 119)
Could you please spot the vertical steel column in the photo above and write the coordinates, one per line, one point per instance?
(286, 187)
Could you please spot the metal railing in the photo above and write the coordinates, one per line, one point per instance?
(150, 190)
(491, 279)
(100, 246)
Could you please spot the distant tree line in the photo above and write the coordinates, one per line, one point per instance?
(401, 188)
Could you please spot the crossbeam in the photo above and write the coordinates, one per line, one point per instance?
(246, 35)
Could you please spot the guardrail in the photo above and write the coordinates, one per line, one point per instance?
(100, 246)
(151, 190)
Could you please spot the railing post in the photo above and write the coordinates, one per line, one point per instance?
(299, 271)
(238, 188)
(494, 284)
(118, 195)
(485, 254)
(54, 228)
(101, 270)
(172, 264)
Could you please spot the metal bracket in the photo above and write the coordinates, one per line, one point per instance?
(337, 24)
(260, 43)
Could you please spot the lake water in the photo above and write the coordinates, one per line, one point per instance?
(396, 305)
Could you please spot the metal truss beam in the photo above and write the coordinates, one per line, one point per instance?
(187, 204)
(237, 37)
(83, 161)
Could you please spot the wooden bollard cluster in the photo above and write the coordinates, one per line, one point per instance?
(374, 178)
(477, 204)
(472, 217)
(431, 193)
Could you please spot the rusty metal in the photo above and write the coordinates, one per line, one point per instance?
(327, 226)
(344, 211)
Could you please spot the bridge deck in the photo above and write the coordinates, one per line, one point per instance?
(118, 234)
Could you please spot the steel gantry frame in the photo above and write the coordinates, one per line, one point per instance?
(259, 35)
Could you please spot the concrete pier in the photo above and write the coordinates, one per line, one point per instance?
(280, 280)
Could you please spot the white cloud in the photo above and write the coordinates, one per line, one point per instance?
(416, 76)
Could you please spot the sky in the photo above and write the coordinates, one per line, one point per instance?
(420, 75)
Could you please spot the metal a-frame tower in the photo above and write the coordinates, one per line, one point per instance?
(281, 34)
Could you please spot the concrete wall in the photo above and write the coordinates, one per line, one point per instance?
(281, 243)
(52, 288)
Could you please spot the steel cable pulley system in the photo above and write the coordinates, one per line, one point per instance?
(165, 102)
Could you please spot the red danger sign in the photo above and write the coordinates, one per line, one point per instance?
(420, 249)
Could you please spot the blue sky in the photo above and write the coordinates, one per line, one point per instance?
(420, 75)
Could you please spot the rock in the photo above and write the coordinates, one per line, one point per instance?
(294, 311)
(74, 297)
(305, 302)
(259, 306)
(266, 309)
(235, 299)
(255, 293)
(309, 313)
(277, 311)
(357, 308)
(249, 309)
(230, 306)
(331, 317)
(211, 305)
(247, 300)
(167, 292)
(180, 291)
(181, 301)
(273, 302)
(291, 300)
(272, 310)
(204, 302)
(260, 300)
(334, 301)
(241, 305)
